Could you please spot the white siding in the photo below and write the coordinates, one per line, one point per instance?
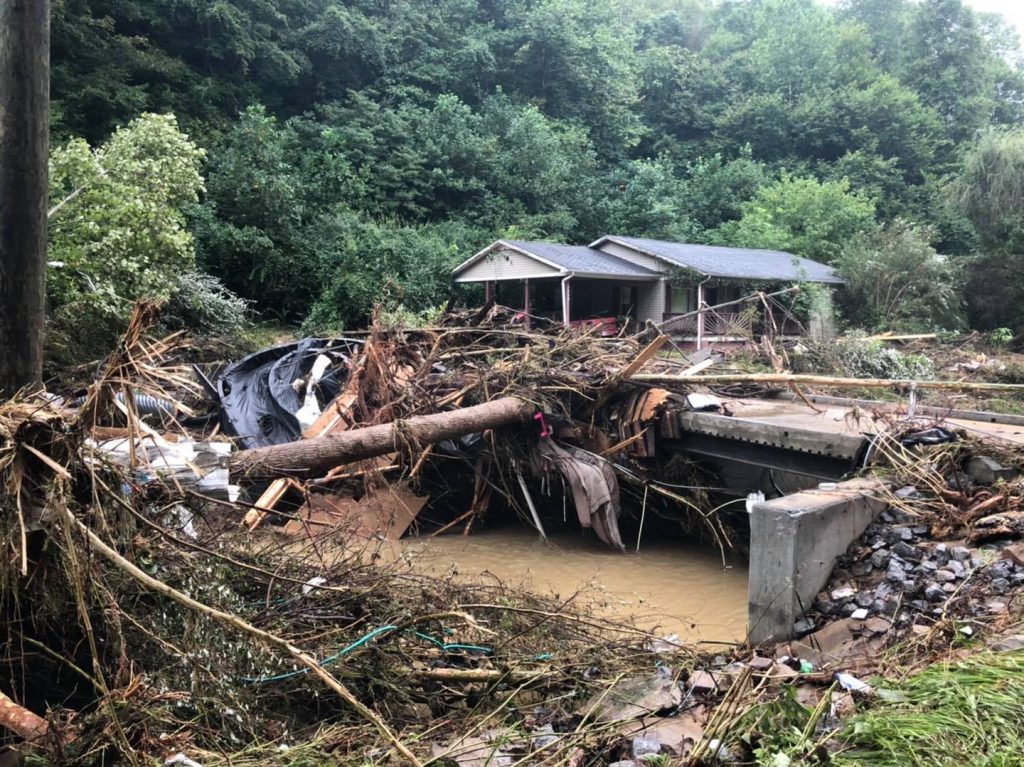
(505, 264)
(628, 254)
(651, 302)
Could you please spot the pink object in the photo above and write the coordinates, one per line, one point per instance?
(544, 430)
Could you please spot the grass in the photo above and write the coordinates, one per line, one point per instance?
(967, 714)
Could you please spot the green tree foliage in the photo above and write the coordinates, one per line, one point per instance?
(990, 192)
(434, 124)
(896, 281)
(117, 222)
(801, 215)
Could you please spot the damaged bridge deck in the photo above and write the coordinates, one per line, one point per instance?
(825, 443)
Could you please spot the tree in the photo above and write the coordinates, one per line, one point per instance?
(24, 139)
(118, 229)
(896, 281)
(990, 188)
(802, 215)
(990, 192)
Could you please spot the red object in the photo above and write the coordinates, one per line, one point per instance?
(544, 430)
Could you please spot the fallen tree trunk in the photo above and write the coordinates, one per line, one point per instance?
(787, 378)
(313, 457)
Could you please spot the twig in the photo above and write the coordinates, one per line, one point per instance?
(238, 623)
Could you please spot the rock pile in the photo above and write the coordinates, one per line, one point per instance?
(896, 571)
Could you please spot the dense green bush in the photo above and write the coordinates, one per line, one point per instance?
(896, 281)
(200, 303)
(857, 356)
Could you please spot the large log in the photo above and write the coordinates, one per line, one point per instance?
(314, 457)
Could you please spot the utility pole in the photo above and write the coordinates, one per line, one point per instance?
(24, 177)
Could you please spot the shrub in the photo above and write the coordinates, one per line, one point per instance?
(202, 304)
(856, 356)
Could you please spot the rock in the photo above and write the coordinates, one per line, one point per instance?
(859, 614)
(860, 569)
(941, 554)
(823, 606)
(1010, 643)
(880, 606)
(919, 605)
(879, 544)
(987, 471)
(757, 663)
(803, 626)
(1014, 553)
(949, 588)
(956, 567)
(906, 534)
(908, 585)
(906, 551)
(1017, 578)
(702, 682)
(907, 491)
(895, 573)
(883, 591)
(643, 746)
(1001, 568)
(921, 529)
(999, 586)
(623, 763)
(842, 594)
(635, 697)
(976, 563)
(865, 598)
(929, 566)
(880, 558)
(943, 576)
(934, 593)
(960, 553)
(959, 481)
(849, 609)
(995, 607)
(877, 625)
(678, 734)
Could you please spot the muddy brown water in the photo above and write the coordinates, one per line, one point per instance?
(669, 587)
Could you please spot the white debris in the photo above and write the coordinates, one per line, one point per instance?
(180, 758)
(698, 401)
(312, 584)
(852, 683)
(310, 410)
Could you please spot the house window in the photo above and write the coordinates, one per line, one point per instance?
(627, 301)
(682, 300)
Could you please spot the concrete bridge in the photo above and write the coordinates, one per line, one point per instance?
(802, 450)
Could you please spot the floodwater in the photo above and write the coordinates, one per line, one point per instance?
(670, 587)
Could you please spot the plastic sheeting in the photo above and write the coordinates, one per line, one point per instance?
(261, 394)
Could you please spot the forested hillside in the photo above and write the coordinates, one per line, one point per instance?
(356, 151)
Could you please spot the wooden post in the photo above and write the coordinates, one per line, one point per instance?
(526, 304)
(566, 302)
(24, 179)
(489, 290)
(700, 316)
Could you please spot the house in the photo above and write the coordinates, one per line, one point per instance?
(618, 280)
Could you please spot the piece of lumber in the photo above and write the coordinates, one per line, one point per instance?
(309, 456)
(906, 337)
(786, 379)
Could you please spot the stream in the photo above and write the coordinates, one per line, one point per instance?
(670, 587)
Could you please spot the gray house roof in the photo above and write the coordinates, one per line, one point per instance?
(576, 259)
(735, 263)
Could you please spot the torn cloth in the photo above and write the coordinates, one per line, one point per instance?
(595, 490)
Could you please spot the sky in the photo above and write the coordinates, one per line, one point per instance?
(1013, 10)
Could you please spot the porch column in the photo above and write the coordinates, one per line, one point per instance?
(526, 304)
(700, 316)
(566, 301)
(489, 290)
